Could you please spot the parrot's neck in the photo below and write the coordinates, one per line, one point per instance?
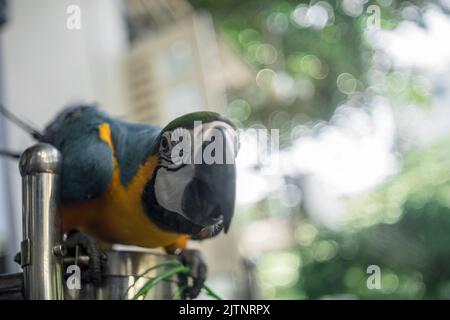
(133, 145)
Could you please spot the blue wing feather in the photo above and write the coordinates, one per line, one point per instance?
(87, 160)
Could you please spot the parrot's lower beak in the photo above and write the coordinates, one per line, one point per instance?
(209, 198)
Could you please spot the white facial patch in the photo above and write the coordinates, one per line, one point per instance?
(186, 145)
(170, 186)
(207, 130)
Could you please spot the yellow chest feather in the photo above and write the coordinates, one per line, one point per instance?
(118, 215)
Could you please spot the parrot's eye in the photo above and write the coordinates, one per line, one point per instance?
(164, 144)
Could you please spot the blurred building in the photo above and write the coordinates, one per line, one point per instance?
(46, 65)
(176, 65)
(175, 69)
(146, 61)
(176, 61)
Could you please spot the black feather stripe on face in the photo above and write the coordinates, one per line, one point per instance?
(165, 219)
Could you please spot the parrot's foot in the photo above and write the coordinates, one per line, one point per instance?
(195, 260)
(79, 244)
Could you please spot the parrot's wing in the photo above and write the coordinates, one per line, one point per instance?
(87, 160)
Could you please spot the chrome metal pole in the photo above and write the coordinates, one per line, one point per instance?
(40, 166)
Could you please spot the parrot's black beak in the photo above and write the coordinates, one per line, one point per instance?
(196, 197)
(209, 197)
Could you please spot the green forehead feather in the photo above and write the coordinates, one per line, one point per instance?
(187, 121)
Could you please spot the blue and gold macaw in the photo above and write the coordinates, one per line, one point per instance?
(121, 185)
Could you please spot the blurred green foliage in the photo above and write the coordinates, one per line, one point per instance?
(408, 238)
(298, 67)
(302, 74)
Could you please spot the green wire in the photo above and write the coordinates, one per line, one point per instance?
(159, 265)
(211, 293)
(149, 285)
(179, 291)
(178, 269)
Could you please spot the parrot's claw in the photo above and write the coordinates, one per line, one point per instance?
(195, 260)
(87, 246)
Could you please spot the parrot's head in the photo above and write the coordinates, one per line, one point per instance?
(193, 187)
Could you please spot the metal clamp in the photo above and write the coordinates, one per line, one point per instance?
(25, 253)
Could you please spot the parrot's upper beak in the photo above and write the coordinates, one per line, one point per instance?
(209, 197)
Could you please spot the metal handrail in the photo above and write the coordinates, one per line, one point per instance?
(40, 256)
(42, 253)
